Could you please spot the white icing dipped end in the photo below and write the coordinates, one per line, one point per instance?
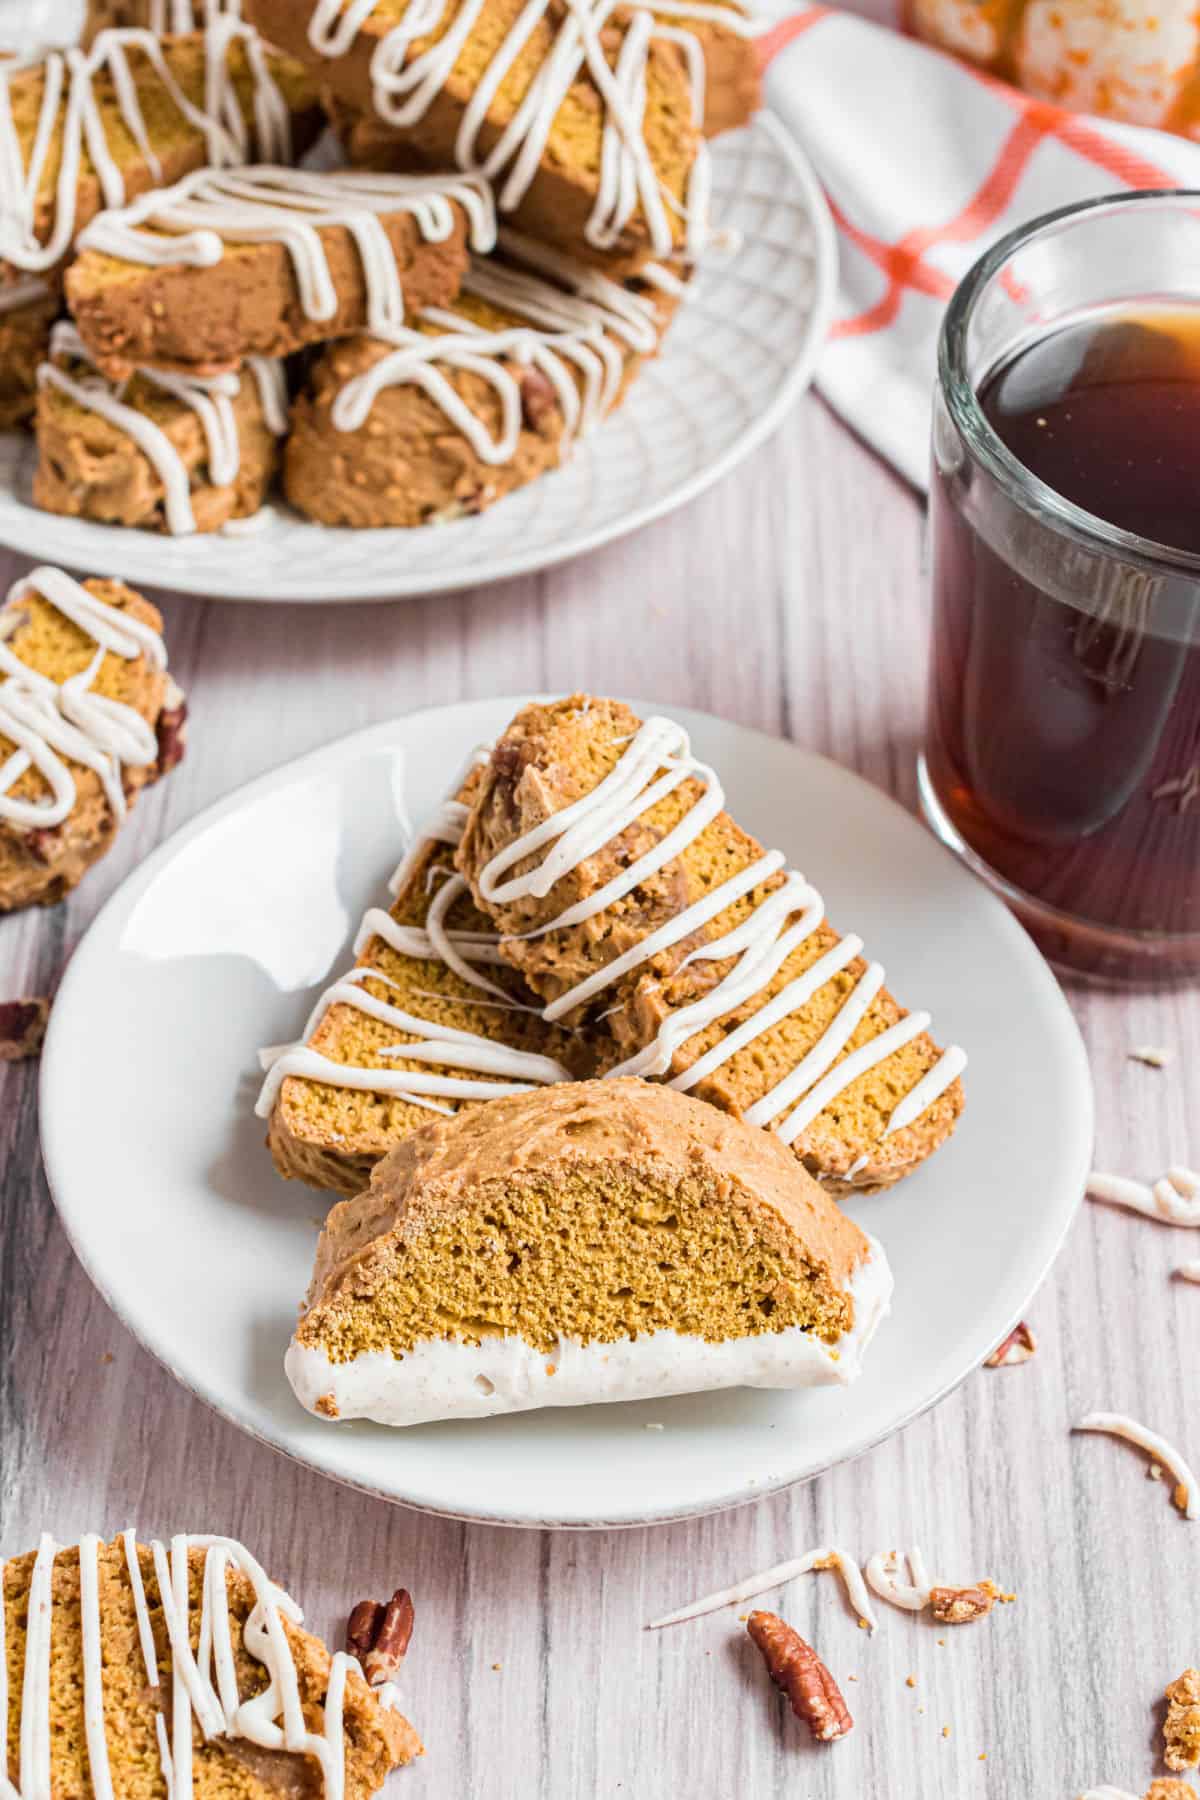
(445, 1379)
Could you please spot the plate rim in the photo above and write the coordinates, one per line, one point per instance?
(381, 736)
(394, 586)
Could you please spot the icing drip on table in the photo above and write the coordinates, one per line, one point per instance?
(210, 397)
(204, 1682)
(443, 1046)
(192, 222)
(53, 725)
(404, 90)
(70, 111)
(578, 335)
(656, 763)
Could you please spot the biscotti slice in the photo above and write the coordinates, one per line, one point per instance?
(141, 1671)
(724, 32)
(591, 139)
(27, 311)
(165, 452)
(150, 111)
(263, 261)
(626, 895)
(429, 1020)
(88, 716)
(601, 1241)
(440, 421)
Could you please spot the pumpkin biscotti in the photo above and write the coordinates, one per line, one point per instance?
(628, 899)
(88, 716)
(440, 421)
(598, 1241)
(166, 452)
(263, 261)
(153, 111)
(146, 1670)
(483, 84)
(428, 1021)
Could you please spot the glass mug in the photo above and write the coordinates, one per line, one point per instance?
(1062, 748)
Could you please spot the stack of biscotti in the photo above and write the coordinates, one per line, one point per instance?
(88, 717)
(159, 109)
(213, 279)
(406, 1035)
(589, 119)
(639, 912)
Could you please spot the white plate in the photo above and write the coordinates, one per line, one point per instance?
(740, 350)
(218, 944)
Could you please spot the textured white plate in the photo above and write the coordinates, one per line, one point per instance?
(740, 349)
(218, 944)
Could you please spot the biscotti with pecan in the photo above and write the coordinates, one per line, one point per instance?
(630, 901)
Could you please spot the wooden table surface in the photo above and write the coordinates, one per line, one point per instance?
(791, 598)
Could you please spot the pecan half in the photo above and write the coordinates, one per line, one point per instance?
(958, 1606)
(1018, 1347)
(798, 1671)
(379, 1635)
(22, 1028)
(539, 402)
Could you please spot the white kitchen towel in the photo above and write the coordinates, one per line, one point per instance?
(925, 162)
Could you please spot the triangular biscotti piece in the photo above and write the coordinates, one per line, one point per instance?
(441, 420)
(155, 109)
(599, 1241)
(626, 895)
(264, 261)
(88, 716)
(406, 1035)
(164, 452)
(140, 1671)
(594, 162)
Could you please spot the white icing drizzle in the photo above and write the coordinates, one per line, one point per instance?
(1174, 1197)
(1189, 1271)
(210, 397)
(577, 334)
(752, 1585)
(1118, 1425)
(403, 92)
(173, 17)
(193, 221)
(69, 85)
(657, 761)
(444, 1046)
(204, 1683)
(53, 724)
(911, 1596)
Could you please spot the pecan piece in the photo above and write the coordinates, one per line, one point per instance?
(795, 1667)
(1017, 1347)
(539, 402)
(958, 1606)
(22, 1028)
(1181, 1729)
(379, 1635)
